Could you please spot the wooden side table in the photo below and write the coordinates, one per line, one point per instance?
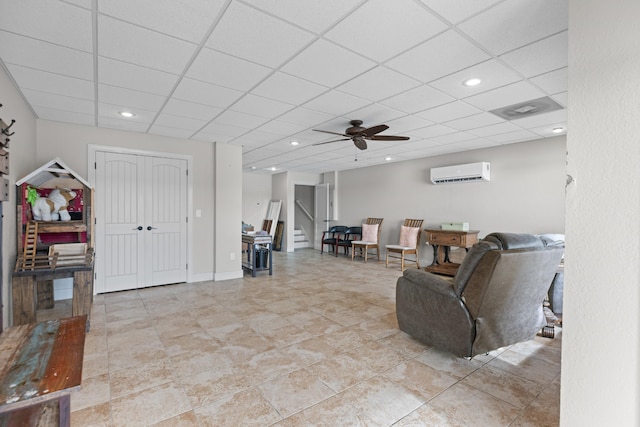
(442, 240)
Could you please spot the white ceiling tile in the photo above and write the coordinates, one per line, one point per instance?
(222, 130)
(204, 93)
(238, 119)
(368, 85)
(225, 70)
(126, 125)
(476, 121)
(109, 112)
(407, 123)
(496, 129)
(459, 10)
(451, 138)
(179, 122)
(515, 23)
(128, 98)
(253, 35)
(521, 135)
(45, 56)
(51, 21)
(178, 107)
(29, 78)
(562, 98)
(327, 64)
(170, 132)
(185, 19)
(314, 16)
(542, 119)
(553, 82)
(130, 43)
(336, 103)
(374, 114)
(418, 99)
(289, 89)
(442, 55)
(52, 100)
(547, 130)
(281, 128)
(118, 73)
(87, 4)
(492, 73)
(260, 106)
(363, 30)
(432, 131)
(505, 96)
(209, 137)
(58, 115)
(451, 111)
(305, 117)
(540, 57)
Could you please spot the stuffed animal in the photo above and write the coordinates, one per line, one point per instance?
(54, 206)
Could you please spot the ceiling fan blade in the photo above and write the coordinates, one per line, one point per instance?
(388, 138)
(332, 133)
(360, 143)
(373, 130)
(334, 140)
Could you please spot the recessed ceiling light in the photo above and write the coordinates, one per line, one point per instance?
(557, 130)
(387, 158)
(253, 168)
(126, 114)
(294, 143)
(273, 168)
(472, 82)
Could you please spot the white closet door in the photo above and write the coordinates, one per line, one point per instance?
(141, 232)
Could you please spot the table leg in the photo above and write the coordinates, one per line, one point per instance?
(270, 246)
(64, 408)
(24, 295)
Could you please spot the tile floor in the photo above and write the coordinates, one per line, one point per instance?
(316, 344)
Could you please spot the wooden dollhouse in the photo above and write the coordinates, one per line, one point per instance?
(49, 250)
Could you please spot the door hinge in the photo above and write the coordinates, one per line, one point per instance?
(95, 165)
(186, 267)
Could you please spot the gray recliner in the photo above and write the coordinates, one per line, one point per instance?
(495, 299)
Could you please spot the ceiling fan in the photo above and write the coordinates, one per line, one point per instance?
(359, 134)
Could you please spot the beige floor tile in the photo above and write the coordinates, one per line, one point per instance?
(526, 366)
(404, 344)
(208, 386)
(140, 377)
(341, 372)
(429, 415)
(186, 419)
(92, 416)
(420, 378)
(383, 401)
(268, 365)
(542, 412)
(346, 338)
(331, 412)
(511, 388)
(375, 356)
(310, 351)
(93, 391)
(195, 341)
(447, 362)
(149, 406)
(294, 392)
(192, 363)
(474, 407)
(94, 365)
(247, 408)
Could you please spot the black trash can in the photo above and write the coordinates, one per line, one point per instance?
(262, 257)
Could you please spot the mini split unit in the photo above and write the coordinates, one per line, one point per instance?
(480, 171)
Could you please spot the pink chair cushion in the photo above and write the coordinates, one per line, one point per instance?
(370, 233)
(409, 236)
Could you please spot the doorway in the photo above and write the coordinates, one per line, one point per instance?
(141, 219)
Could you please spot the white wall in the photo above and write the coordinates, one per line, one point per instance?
(22, 145)
(601, 334)
(70, 142)
(256, 195)
(525, 194)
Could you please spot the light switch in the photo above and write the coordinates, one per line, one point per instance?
(198, 213)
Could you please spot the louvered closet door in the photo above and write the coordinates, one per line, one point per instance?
(141, 221)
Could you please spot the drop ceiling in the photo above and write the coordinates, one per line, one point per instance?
(262, 73)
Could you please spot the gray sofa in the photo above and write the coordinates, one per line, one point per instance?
(494, 300)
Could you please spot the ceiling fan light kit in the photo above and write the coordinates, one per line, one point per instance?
(359, 134)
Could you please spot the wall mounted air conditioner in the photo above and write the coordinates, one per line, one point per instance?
(480, 171)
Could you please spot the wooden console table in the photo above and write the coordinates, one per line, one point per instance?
(442, 240)
(41, 364)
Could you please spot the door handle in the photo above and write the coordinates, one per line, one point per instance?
(139, 228)
(151, 228)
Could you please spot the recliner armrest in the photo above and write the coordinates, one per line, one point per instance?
(433, 282)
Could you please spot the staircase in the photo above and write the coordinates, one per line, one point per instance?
(300, 239)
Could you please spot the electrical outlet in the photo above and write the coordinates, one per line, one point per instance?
(232, 256)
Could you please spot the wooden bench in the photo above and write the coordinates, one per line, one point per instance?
(41, 365)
